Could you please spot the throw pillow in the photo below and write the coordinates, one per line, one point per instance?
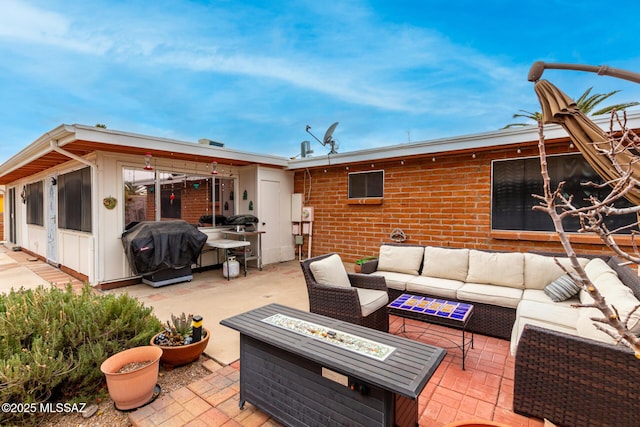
(330, 271)
(561, 289)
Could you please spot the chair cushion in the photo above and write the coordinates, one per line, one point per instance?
(502, 296)
(596, 268)
(558, 314)
(446, 263)
(371, 300)
(561, 289)
(540, 270)
(396, 281)
(555, 316)
(539, 296)
(587, 328)
(330, 271)
(616, 294)
(443, 288)
(401, 259)
(496, 268)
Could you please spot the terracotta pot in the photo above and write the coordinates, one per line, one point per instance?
(173, 356)
(476, 423)
(130, 390)
(357, 268)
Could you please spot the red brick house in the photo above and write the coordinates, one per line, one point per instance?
(437, 192)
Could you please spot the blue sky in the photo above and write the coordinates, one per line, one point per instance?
(253, 74)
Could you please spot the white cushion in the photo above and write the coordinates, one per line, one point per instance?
(540, 270)
(587, 328)
(596, 268)
(504, 269)
(396, 281)
(555, 316)
(401, 259)
(502, 296)
(518, 328)
(615, 293)
(552, 313)
(540, 296)
(444, 288)
(330, 271)
(446, 263)
(371, 300)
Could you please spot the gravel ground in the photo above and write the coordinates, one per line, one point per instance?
(108, 415)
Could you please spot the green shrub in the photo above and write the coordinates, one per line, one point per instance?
(53, 341)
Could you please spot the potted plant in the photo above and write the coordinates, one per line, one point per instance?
(358, 265)
(179, 344)
(132, 376)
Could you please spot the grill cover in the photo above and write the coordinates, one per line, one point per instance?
(152, 246)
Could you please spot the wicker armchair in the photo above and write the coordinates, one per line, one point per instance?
(343, 302)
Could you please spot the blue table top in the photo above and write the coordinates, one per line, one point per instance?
(435, 307)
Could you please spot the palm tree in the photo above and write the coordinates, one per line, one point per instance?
(586, 103)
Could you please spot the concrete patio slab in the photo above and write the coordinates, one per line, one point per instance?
(215, 298)
(13, 275)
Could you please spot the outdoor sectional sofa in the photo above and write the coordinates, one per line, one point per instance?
(566, 369)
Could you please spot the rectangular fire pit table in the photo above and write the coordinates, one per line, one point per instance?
(452, 314)
(306, 369)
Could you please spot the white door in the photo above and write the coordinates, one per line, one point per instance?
(270, 220)
(52, 220)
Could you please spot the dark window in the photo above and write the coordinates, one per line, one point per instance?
(35, 203)
(74, 200)
(515, 181)
(366, 184)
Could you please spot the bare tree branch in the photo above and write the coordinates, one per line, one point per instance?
(591, 218)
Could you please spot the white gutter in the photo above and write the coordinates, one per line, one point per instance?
(94, 205)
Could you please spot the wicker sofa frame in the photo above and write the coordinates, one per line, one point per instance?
(569, 380)
(574, 381)
(343, 303)
(488, 319)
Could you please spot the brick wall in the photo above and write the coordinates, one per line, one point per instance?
(194, 202)
(441, 203)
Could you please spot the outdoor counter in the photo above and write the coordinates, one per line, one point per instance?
(308, 380)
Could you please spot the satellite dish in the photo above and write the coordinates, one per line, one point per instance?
(327, 137)
(329, 133)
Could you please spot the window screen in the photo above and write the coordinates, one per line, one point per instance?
(515, 181)
(35, 203)
(366, 184)
(74, 200)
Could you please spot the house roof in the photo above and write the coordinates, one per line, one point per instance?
(80, 140)
(522, 135)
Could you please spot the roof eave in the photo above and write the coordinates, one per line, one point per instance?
(502, 137)
(108, 136)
